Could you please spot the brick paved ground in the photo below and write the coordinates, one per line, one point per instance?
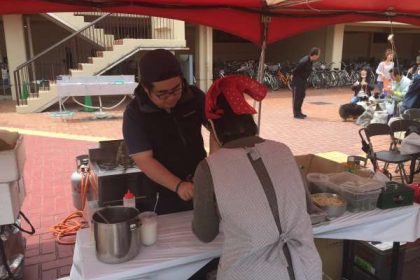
(51, 160)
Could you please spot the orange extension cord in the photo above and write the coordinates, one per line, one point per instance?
(66, 230)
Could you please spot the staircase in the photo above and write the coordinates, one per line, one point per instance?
(91, 49)
(73, 23)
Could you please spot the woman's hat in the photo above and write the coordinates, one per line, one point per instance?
(233, 88)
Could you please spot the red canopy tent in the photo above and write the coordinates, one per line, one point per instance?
(239, 17)
(260, 21)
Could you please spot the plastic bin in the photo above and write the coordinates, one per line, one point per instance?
(355, 182)
(318, 183)
(361, 193)
(358, 202)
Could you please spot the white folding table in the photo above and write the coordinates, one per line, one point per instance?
(69, 86)
(178, 254)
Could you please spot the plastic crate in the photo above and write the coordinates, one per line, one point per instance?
(371, 262)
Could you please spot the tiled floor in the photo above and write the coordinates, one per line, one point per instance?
(51, 150)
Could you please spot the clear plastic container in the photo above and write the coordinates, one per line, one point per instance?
(360, 193)
(358, 202)
(355, 182)
(318, 183)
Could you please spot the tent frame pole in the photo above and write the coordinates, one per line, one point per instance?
(265, 20)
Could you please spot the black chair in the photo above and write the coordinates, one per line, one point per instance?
(389, 156)
(412, 114)
(398, 129)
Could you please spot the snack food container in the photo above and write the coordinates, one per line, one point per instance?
(327, 202)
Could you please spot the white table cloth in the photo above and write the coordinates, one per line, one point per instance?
(92, 89)
(95, 85)
(178, 254)
(398, 224)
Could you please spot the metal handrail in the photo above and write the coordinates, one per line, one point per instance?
(136, 50)
(36, 57)
(82, 46)
(61, 42)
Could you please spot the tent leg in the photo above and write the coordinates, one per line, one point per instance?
(261, 64)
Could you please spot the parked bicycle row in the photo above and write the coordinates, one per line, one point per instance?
(279, 75)
(276, 75)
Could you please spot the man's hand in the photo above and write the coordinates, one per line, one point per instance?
(186, 191)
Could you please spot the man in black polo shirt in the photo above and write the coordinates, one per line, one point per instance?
(162, 131)
(300, 75)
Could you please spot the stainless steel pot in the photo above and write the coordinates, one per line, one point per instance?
(117, 241)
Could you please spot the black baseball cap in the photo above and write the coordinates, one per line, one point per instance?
(159, 65)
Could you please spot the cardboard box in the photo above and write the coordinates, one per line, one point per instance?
(330, 250)
(12, 195)
(331, 253)
(12, 156)
(313, 163)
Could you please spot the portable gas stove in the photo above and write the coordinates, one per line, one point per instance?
(114, 172)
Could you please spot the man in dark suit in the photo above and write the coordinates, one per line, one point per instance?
(300, 75)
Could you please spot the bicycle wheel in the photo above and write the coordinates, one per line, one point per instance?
(271, 81)
(289, 84)
(275, 83)
(316, 81)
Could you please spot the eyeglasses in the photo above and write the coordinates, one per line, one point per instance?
(164, 95)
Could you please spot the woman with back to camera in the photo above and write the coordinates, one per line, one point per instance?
(384, 77)
(254, 188)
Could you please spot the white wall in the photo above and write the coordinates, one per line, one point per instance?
(293, 48)
(356, 44)
(289, 49)
(234, 51)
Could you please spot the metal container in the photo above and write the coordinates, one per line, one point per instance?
(333, 210)
(118, 240)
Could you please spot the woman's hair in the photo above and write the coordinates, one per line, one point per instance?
(388, 52)
(314, 51)
(368, 71)
(232, 126)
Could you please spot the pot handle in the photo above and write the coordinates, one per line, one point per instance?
(136, 224)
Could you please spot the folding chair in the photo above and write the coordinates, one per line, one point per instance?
(398, 129)
(390, 156)
(411, 114)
